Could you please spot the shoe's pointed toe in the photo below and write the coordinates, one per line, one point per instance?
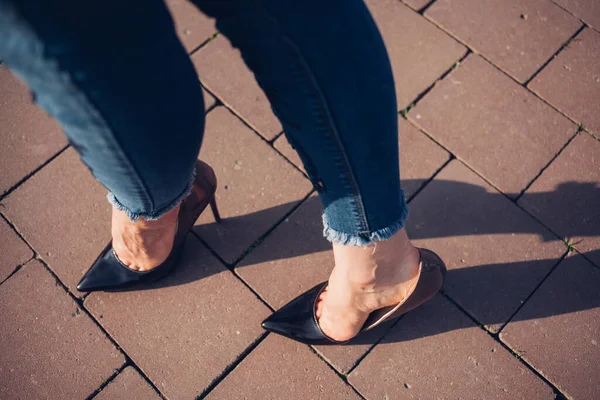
(107, 273)
(297, 320)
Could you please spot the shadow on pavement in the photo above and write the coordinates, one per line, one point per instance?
(308, 239)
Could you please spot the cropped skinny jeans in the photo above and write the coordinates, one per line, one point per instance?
(116, 77)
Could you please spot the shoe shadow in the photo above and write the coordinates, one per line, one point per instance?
(301, 235)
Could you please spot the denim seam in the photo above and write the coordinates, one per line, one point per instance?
(96, 118)
(359, 211)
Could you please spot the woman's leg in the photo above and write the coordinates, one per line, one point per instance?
(325, 70)
(116, 77)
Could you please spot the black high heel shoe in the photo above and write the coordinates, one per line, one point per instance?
(297, 320)
(108, 272)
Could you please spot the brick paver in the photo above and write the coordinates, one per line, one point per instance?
(587, 10)
(186, 329)
(50, 348)
(223, 71)
(558, 330)
(437, 352)
(256, 185)
(419, 52)
(193, 27)
(28, 137)
(128, 385)
(14, 251)
(292, 259)
(420, 157)
(518, 36)
(496, 254)
(499, 128)
(63, 213)
(571, 82)
(566, 197)
(281, 369)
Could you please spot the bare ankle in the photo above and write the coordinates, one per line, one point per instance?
(365, 266)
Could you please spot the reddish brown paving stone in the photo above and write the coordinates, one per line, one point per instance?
(420, 157)
(282, 369)
(63, 214)
(284, 146)
(499, 128)
(14, 251)
(416, 4)
(558, 330)
(184, 330)
(28, 136)
(128, 385)
(225, 74)
(587, 10)
(496, 254)
(571, 82)
(291, 260)
(566, 196)
(437, 352)
(518, 36)
(50, 348)
(193, 27)
(256, 185)
(419, 52)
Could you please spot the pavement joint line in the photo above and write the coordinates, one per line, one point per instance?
(289, 161)
(514, 201)
(540, 283)
(370, 349)
(545, 167)
(80, 304)
(556, 53)
(115, 373)
(422, 10)
(586, 257)
(30, 174)
(263, 236)
(496, 338)
(430, 179)
(15, 230)
(575, 16)
(593, 135)
(428, 89)
(238, 277)
(341, 376)
(272, 141)
(229, 369)
(204, 43)
(222, 103)
(232, 267)
(470, 50)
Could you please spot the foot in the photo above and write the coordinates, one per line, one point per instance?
(143, 245)
(363, 280)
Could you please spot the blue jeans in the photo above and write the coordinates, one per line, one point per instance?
(116, 77)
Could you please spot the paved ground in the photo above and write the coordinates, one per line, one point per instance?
(500, 119)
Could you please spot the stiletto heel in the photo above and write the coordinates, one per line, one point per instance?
(297, 320)
(215, 210)
(108, 272)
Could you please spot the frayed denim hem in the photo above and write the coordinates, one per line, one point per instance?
(134, 216)
(364, 238)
